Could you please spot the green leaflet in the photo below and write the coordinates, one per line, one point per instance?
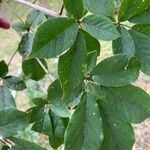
(143, 18)
(59, 35)
(142, 46)
(33, 69)
(132, 8)
(130, 103)
(91, 61)
(34, 113)
(43, 124)
(3, 147)
(57, 104)
(55, 99)
(25, 44)
(75, 8)
(24, 144)
(93, 50)
(75, 102)
(124, 44)
(39, 101)
(3, 69)
(118, 135)
(95, 89)
(116, 71)
(92, 44)
(54, 91)
(72, 65)
(75, 94)
(52, 125)
(59, 125)
(34, 18)
(60, 109)
(100, 7)
(143, 28)
(100, 27)
(12, 121)
(14, 83)
(19, 27)
(84, 130)
(6, 99)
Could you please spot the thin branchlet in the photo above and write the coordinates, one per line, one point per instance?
(37, 7)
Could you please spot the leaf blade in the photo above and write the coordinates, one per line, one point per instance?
(60, 34)
(116, 71)
(142, 47)
(54, 97)
(14, 83)
(12, 121)
(71, 73)
(117, 133)
(33, 70)
(88, 131)
(74, 8)
(3, 69)
(6, 99)
(24, 144)
(130, 103)
(100, 7)
(124, 44)
(131, 9)
(100, 27)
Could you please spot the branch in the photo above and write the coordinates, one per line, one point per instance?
(123, 25)
(12, 57)
(45, 69)
(37, 7)
(61, 10)
(7, 142)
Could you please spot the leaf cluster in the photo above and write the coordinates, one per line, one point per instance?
(91, 105)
